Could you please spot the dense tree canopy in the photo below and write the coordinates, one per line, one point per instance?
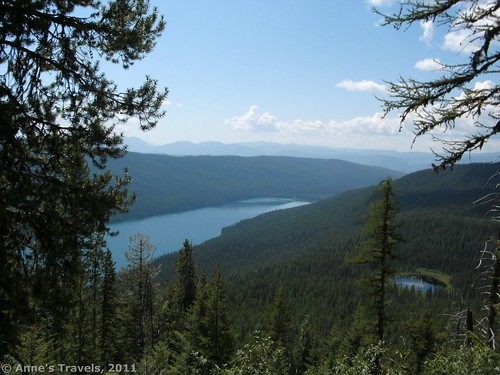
(58, 114)
(458, 92)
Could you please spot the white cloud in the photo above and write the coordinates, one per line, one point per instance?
(376, 131)
(466, 34)
(478, 86)
(428, 31)
(459, 41)
(361, 86)
(253, 120)
(485, 85)
(168, 103)
(299, 126)
(377, 3)
(429, 64)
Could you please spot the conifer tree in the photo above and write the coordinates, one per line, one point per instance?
(58, 112)
(187, 276)
(139, 295)
(108, 328)
(221, 338)
(422, 340)
(198, 318)
(458, 92)
(280, 323)
(208, 326)
(170, 354)
(377, 250)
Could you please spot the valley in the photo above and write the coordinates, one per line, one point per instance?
(303, 250)
(167, 232)
(166, 184)
(249, 188)
(302, 253)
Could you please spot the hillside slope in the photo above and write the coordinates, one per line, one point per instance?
(304, 249)
(167, 184)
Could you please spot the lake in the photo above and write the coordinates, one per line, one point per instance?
(168, 232)
(418, 283)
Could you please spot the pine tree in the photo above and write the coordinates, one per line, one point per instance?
(280, 323)
(198, 318)
(58, 112)
(187, 276)
(139, 295)
(208, 326)
(377, 250)
(221, 338)
(92, 326)
(108, 328)
(422, 340)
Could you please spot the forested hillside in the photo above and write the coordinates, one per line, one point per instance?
(280, 234)
(303, 253)
(407, 162)
(168, 184)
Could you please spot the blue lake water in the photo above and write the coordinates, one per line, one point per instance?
(168, 232)
(416, 282)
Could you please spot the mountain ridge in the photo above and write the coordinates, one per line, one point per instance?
(409, 161)
(166, 184)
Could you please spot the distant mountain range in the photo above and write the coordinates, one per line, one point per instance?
(400, 161)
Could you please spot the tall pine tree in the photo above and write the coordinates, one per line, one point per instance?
(139, 295)
(221, 338)
(58, 112)
(187, 276)
(377, 250)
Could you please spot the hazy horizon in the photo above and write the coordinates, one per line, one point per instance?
(301, 72)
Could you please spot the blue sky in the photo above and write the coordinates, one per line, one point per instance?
(285, 71)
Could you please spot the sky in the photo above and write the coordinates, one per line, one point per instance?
(287, 71)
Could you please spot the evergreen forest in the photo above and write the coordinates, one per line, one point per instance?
(290, 292)
(314, 290)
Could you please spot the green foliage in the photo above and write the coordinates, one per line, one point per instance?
(167, 357)
(280, 323)
(140, 294)
(110, 299)
(378, 249)
(476, 360)
(36, 346)
(92, 321)
(208, 326)
(307, 246)
(58, 112)
(422, 341)
(259, 356)
(187, 277)
(220, 335)
(368, 362)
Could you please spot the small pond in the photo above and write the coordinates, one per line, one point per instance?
(419, 283)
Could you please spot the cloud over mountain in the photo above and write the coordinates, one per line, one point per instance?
(254, 120)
